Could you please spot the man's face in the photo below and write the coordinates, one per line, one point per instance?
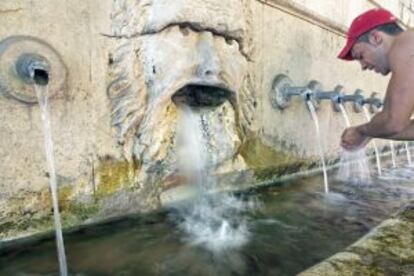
(371, 57)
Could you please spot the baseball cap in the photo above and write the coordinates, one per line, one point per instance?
(362, 24)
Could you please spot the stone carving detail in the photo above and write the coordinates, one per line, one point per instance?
(167, 53)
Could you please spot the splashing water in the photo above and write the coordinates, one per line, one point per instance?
(377, 156)
(43, 95)
(354, 167)
(213, 220)
(320, 147)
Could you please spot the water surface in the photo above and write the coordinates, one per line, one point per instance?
(295, 226)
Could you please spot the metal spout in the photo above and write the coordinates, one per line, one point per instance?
(33, 69)
(283, 91)
(357, 99)
(334, 96)
(374, 102)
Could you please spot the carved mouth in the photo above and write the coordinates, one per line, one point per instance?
(196, 95)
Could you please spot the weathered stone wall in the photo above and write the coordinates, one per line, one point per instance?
(97, 175)
(80, 117)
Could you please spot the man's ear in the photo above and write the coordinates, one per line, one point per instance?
(375, 37)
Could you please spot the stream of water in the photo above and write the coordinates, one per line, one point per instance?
(216, 221)
(319, 142)
(43, 98)
(377, 155)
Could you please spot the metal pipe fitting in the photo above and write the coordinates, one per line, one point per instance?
(334, 96)
(374, 102)
(33, 69)
(283, 91)
(357, 99)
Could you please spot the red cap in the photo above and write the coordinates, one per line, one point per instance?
(362, 24)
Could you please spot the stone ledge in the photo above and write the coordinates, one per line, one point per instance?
(387, 250)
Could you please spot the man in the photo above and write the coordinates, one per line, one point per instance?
(378, 43)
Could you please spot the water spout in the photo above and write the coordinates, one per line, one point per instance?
(33, 69)
(374, 103)
(283, 91)
(357, 99)
(334, 96)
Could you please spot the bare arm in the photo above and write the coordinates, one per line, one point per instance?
(406, 134)
(393, 122)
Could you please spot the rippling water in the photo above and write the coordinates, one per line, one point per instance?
(295, 227)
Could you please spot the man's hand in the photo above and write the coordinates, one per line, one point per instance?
(352, 139)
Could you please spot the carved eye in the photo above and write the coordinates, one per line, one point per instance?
(184, 30)
(230, 41)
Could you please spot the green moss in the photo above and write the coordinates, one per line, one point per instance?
(267, 162)
(113, 175)
(74, 213)
(38, 224)
(407, 212)
(83, 211)
(5, 226)
(64, 194)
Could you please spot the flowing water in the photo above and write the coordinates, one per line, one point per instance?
(43, 96)
(296, 227)
(407, 151)
(345, 115)
(319, 142)
(377, 155)
(354, 165)
(393, 157)
(213, 220)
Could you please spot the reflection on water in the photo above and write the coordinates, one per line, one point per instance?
(296, 227)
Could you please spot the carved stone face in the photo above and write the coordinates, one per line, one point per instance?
(179, 53)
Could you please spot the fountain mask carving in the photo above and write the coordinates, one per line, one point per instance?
(179, 58)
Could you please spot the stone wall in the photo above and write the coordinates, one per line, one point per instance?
(99, 175)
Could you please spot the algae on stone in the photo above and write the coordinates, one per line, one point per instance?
(267, 162)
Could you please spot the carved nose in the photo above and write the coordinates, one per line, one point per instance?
(209, 63)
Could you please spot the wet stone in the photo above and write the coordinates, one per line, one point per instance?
(386, 250)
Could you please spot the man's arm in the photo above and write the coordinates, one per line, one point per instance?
(406, 134)
(394, 120)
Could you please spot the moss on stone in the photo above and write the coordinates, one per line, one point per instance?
(386, 250)
(64, 195)
(83, 211)
(113, 175)
(267, 162)
(407, 212)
